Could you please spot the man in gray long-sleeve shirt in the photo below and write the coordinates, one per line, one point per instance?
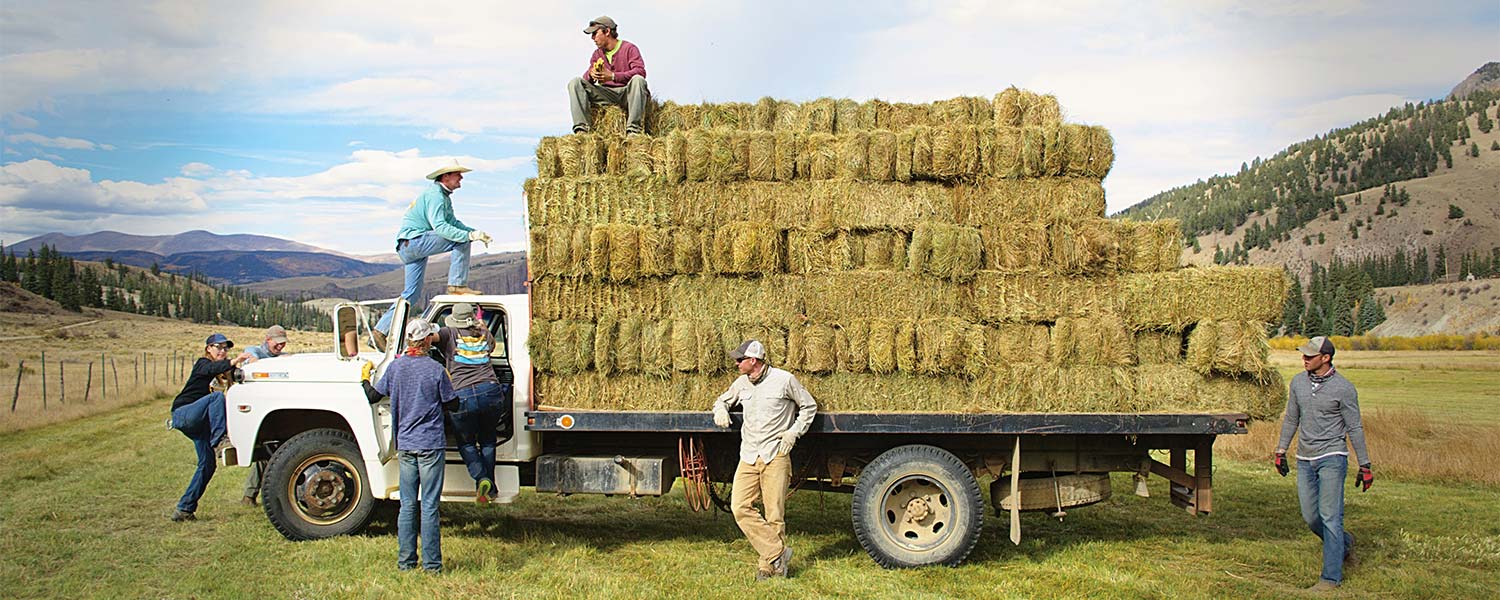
(778, 411)
(1323, 411)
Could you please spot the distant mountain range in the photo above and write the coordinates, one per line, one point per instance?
(503, 273)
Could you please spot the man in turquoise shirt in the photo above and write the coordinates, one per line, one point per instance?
(429, 228)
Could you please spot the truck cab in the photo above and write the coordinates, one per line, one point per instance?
(328, 453)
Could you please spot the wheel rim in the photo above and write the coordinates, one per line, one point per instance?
(917, 513)
(325, 489)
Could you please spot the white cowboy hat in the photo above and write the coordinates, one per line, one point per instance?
(453, 168)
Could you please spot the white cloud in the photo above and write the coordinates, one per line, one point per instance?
(445, 135)
(197, 169)
(355, 143)
(20, 121)
(39, 185)
(64, 143)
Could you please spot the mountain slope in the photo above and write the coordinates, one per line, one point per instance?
(188, 241)
(239, 267)
(503, 273)
(1486, 77)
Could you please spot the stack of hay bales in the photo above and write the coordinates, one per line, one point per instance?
(943, 257)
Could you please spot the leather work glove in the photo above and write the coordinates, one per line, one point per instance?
(1281, 466)
(1365, 479)
(721, 415)
(480, 236)
(366, 370)
(788, 439)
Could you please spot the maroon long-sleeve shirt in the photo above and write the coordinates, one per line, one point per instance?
(627, 63)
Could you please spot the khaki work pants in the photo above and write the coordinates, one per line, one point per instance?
(767, 482)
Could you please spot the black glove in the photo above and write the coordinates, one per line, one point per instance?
(1365, 478)
(1281, 466)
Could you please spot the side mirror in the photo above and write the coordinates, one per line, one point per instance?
(346, 326)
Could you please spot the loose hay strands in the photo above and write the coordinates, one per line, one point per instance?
(1149, 246)
(1085, 246)
(1173, 300)
(951, 252)
(1228, 347)
(1096, 340)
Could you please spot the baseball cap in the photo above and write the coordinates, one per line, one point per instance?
(276, 333)
(600, 21)
(218, 338)
(1316, 346)
(749, 349)
(418, 329)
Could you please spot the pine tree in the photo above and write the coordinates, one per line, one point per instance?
(1291, 312)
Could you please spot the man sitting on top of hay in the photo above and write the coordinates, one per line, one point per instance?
(616, 75)
(778, 410)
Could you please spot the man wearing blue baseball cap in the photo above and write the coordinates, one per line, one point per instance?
(199, 415)
(1322, 410)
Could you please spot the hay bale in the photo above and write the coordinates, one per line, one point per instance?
(1042, 111)
(818, 348)
(787, 146)
(820, 158)
(1014, 246)
(656, 348)
(954, 112)
(607, 119)
(1010, 343)
(951, 252)
(572, 346)
(905, 142)
(955, 153)
(1228, 347)
(699, 148)
(671, 157)
(906, 346)
(599, 255)
(1006, 157)
(687, 252)
(1173, 300)
(1030, 298)
(536, 253)
(570, 154)
(629, 345)
(547, 165)
(1087, 246)
(578, 251)
(1149, 246)
(684, 344)
(789, 118)
(1262, 397)
(852, 343)
(1009, 107)
(763, 114)
(882, 346)
(614, 155)
(1091, 151)
(605, 330)
(883, 250)
(1156, 347)
(901, 115)
(848, 295)
(846, 117)
(724, 116)
(817, 116)
(586, 298)
(595, 155)
(762, 160)
(1054, 150)
(853, 155)
(670, 117)
(640, 162)
(922, 153)
(729, 155)
(813, 251)
(881, 163)
(747, 248)
(949, 347)
(624, 248)
(1096, 340)
(539, 344)
(1033, 151)
(657, 252)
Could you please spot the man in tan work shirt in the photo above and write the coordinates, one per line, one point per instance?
(777, 411)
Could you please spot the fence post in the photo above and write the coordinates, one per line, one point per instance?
(62, 381)
(116, 370)
(103, 382)
(17, 396)
(88, 382)
(44, 380)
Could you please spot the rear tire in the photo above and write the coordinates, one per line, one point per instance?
(316, 487)
(915, 506)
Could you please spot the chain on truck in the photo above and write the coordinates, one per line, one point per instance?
(914, 477)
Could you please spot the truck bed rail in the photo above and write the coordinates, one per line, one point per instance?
(559, 420)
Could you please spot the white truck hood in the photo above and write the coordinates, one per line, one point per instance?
(310, 367)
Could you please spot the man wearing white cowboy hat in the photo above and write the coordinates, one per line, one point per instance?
(429, 228)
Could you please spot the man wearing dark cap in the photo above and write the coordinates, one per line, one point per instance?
(1322, 410)
(616, 75)
(777, 411)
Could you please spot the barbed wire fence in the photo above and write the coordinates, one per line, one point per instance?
(55, 380)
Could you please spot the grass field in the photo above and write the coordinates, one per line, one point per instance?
(85, 516)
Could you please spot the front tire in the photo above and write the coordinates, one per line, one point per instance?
(915, 506)
(316, 487)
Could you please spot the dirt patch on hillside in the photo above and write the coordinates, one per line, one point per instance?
(1460, 307)
(13, 299)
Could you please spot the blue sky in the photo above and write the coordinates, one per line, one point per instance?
(315, 121)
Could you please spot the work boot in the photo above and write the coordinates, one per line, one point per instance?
(483, 497)
(169, 424)
(379, 339)
(1350, 559)
(763, 575)
(464, 290)
(248, 502)
(1323, 585)
(782, 563)
(179, 516)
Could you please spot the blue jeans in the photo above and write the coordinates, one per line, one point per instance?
(1320, 489)
(480, 409)
(413, 256)
(202, 421)
(421, 487)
